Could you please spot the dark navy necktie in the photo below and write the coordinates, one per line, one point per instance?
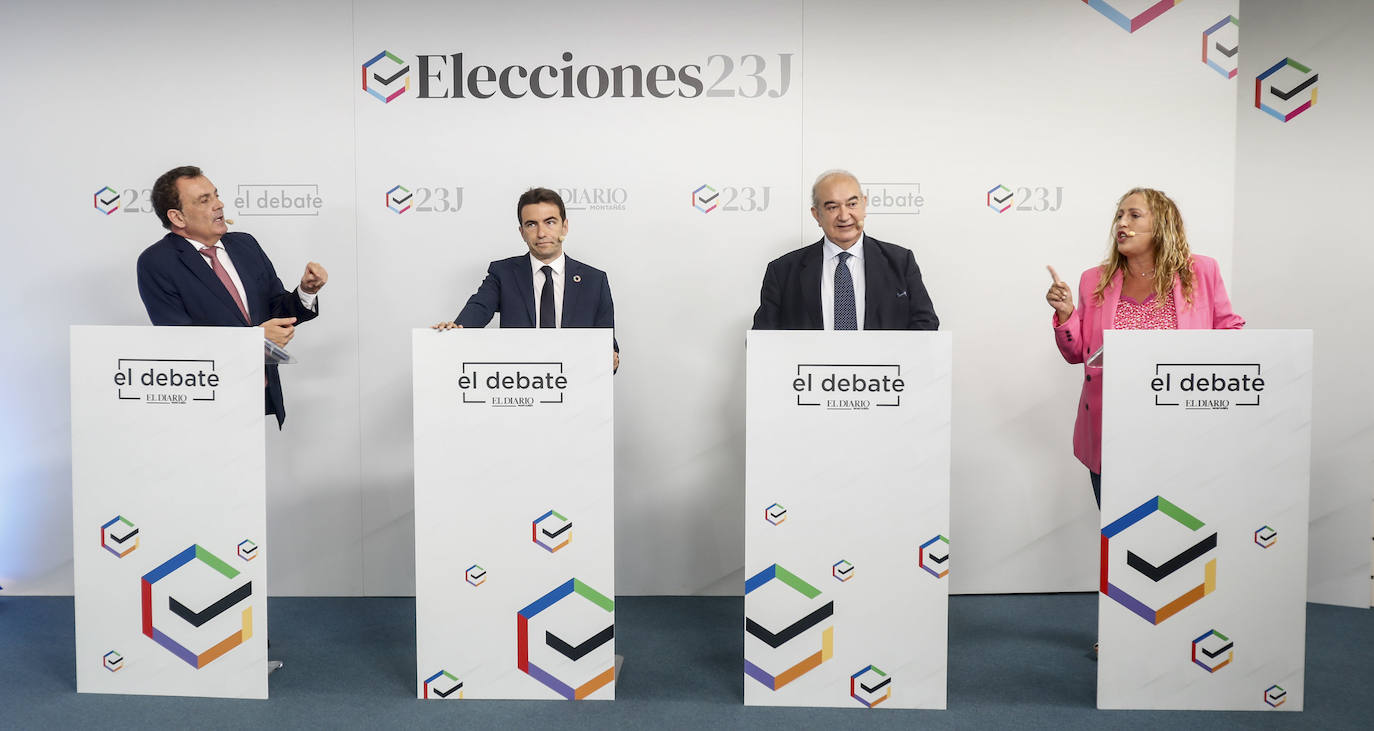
(845, 317)
(547, 318)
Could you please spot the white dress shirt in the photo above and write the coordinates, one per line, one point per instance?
(307, 299)
(557, 266)
(830, 258)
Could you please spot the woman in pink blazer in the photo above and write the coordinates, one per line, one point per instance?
(1150, 280)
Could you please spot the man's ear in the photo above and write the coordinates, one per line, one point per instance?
(177, 220)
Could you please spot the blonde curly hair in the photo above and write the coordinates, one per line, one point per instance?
(1172, 255)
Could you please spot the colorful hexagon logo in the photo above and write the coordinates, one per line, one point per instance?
(768, 654)
(398, 199)
(933, 556)
(999, 198)
(870, 686)
(443, 684)
(112, 661)
(1220, 45)
(106, 200)
(1155, 574)
(775, 513)
(382, 74)
(1213, 651)
(1279, 90)
(119, 536)
(1275, 695)
(551, 531)
(704, 199)
(1266, 536)
(247, 550)
(1131, 15)
(195, 619)
(842, 570)
(475, 575)
(573, 671)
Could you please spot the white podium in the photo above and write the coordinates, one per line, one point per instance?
(847, 519)
(168, 468)
(1205, 460)
(514, 514)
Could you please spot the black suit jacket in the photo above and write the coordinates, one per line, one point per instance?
(509, 289)
(178, 287)
(894, 297)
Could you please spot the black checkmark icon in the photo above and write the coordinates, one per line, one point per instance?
(214, 610)
(127, 536)
(798, 627)
(250, 550)
(845, 571)
(558, 532)
(446, 693)
(1155, 573)
(108, 201)
(1267, 536)
(778, 513)
(704, 199)
(477, 576)
(1281, 694)
(1003, 199)
(399, 201)
(404, 70)
(877, 687)
(580, 651)
(937, 559)
(1291, 92)
(1220, 650)
(1228, 52)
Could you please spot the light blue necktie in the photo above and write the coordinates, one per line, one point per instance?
(845, 318)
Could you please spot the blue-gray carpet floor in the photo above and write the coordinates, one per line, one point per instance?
(1017, 661)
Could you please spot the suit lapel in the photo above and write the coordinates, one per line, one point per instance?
(1110, 296)
(572, 289)
(199, 266)
(524, 286)
(810, 276)
(877, 284)
(1180, 317)
(243, 266)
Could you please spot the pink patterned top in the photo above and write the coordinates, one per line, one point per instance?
(1132, 315)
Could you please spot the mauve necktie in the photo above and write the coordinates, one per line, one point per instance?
(845, 317)
(547, 317)
(209, 253)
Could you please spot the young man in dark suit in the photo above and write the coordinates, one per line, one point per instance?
(847, 280)
(544, 288)
(200, 274)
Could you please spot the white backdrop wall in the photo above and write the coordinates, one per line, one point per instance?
(1303, 255)
(938, 100)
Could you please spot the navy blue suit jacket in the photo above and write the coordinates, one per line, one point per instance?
(178, 287)
(509, 289)
(894, 296)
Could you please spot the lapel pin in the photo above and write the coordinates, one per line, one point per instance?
(577, 277)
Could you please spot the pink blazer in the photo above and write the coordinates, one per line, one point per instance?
(1081, 336)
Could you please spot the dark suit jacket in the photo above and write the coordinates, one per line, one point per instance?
(894, 297)
(178, 287)
(509, 289)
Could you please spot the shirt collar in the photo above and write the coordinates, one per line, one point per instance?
(199, 246)
(557, 264)
(833, 249)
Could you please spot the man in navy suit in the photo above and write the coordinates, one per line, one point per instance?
(847, 280)
(544, 288)
(200, 274)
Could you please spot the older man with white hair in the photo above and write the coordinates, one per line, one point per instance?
(847, 280)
